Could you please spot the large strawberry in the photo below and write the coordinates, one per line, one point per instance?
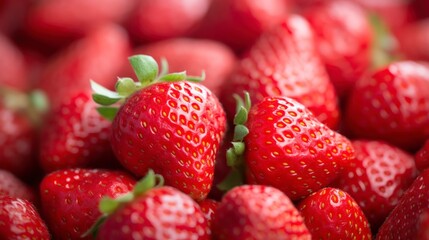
(333, 214)
(70, 198)
(284, 62)
(392, 105)
(257, 212)
(173, 127)
(403, 221)
(19, 219)
(75, 135)
(377, 177)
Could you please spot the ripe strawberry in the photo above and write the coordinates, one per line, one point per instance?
(194, 55)
(152, 212)
(72, 68)
(208, 207)
(173, 127)
(413, 40)
(12, 186)
(377, 177)
(284, 62)
(157, 20)
(12, 66)
(423, 225)
(76, 136)
(333, 214)
(392, 105)
(257, 212)
(70, 198)
(20, 220)
(287, 144)
(402, 223)
(422, 157)
(343, 38)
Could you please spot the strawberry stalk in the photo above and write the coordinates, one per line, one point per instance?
(147, 71)
(234, 155)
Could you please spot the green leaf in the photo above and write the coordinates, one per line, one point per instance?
(164, 67)
(234, 178)
(239, 148)
(241, 116)
(39, 101)
(100, 90)
(125, 87)
(105, 100)
(197, 78)
(108, 113)
(240, 131)
(93, 231)
(108, 205)
(231, 157)
(145, 68)
(173, 77)
(145, 183)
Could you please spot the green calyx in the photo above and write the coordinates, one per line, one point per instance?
(108, 205)
(234, 155)
(383, 44)
(147, 72)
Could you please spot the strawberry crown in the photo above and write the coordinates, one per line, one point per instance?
(147, 71)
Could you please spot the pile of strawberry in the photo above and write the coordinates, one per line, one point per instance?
(214, 119)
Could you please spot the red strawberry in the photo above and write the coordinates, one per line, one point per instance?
(392, 105)
(413, 40)
(344, 38)
(173, 127)
(423, 225)
(76, 136)
(20, 220)
(70, 198)
(208, 207)
(156, 20)
(287, 144)
(194, 55)
(99, 56)
(12, 66)
(151, 213)
(377, 177)
(284, 62)
(257, 212)
(333, 214)
(422, 157)
(12, 186)
(402, 223)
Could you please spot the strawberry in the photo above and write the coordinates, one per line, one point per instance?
(423, 225)
(173, 127)
(157, 20)
(70, 198)
(208, 207)
(422, 157)
(12, 186)
(194, 55)
(71, 69)
(75, 136)
(333, 214)
(257, 212)
(392, 104)
(20, 220)
(377, 177)
(402, 223)
(152, 212)
(413, 40)
(12, 66)
(343, 37)
(284, 62)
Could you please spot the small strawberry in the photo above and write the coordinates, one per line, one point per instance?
(333, 214)
(403, 221)
(173, 127)
(151, 211)
(12, 186)
(208, 207)
(422, 157)
(284, 62)
(19, 219)
(377, 177)
(75, 136)
(257, 212)
(391, 105)
(70, 198)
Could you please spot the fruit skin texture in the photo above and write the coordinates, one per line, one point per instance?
(257, 212)
(423, 225)
(287, 144)
(12, 186)
(402, 222)
(19, 219)
(284, 62)
(75, 135)
(344, 38)
(392, 105)
(160, 213)
(70, 198)
(422, 157)
(208, 207)
(174, 129)
(333, 214)
(377, 178)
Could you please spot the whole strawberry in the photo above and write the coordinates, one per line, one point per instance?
(151, 211)
(70, 198)
(392, 105)
(173, 127)
(20, 220)
(257, 212)
(333, 214)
